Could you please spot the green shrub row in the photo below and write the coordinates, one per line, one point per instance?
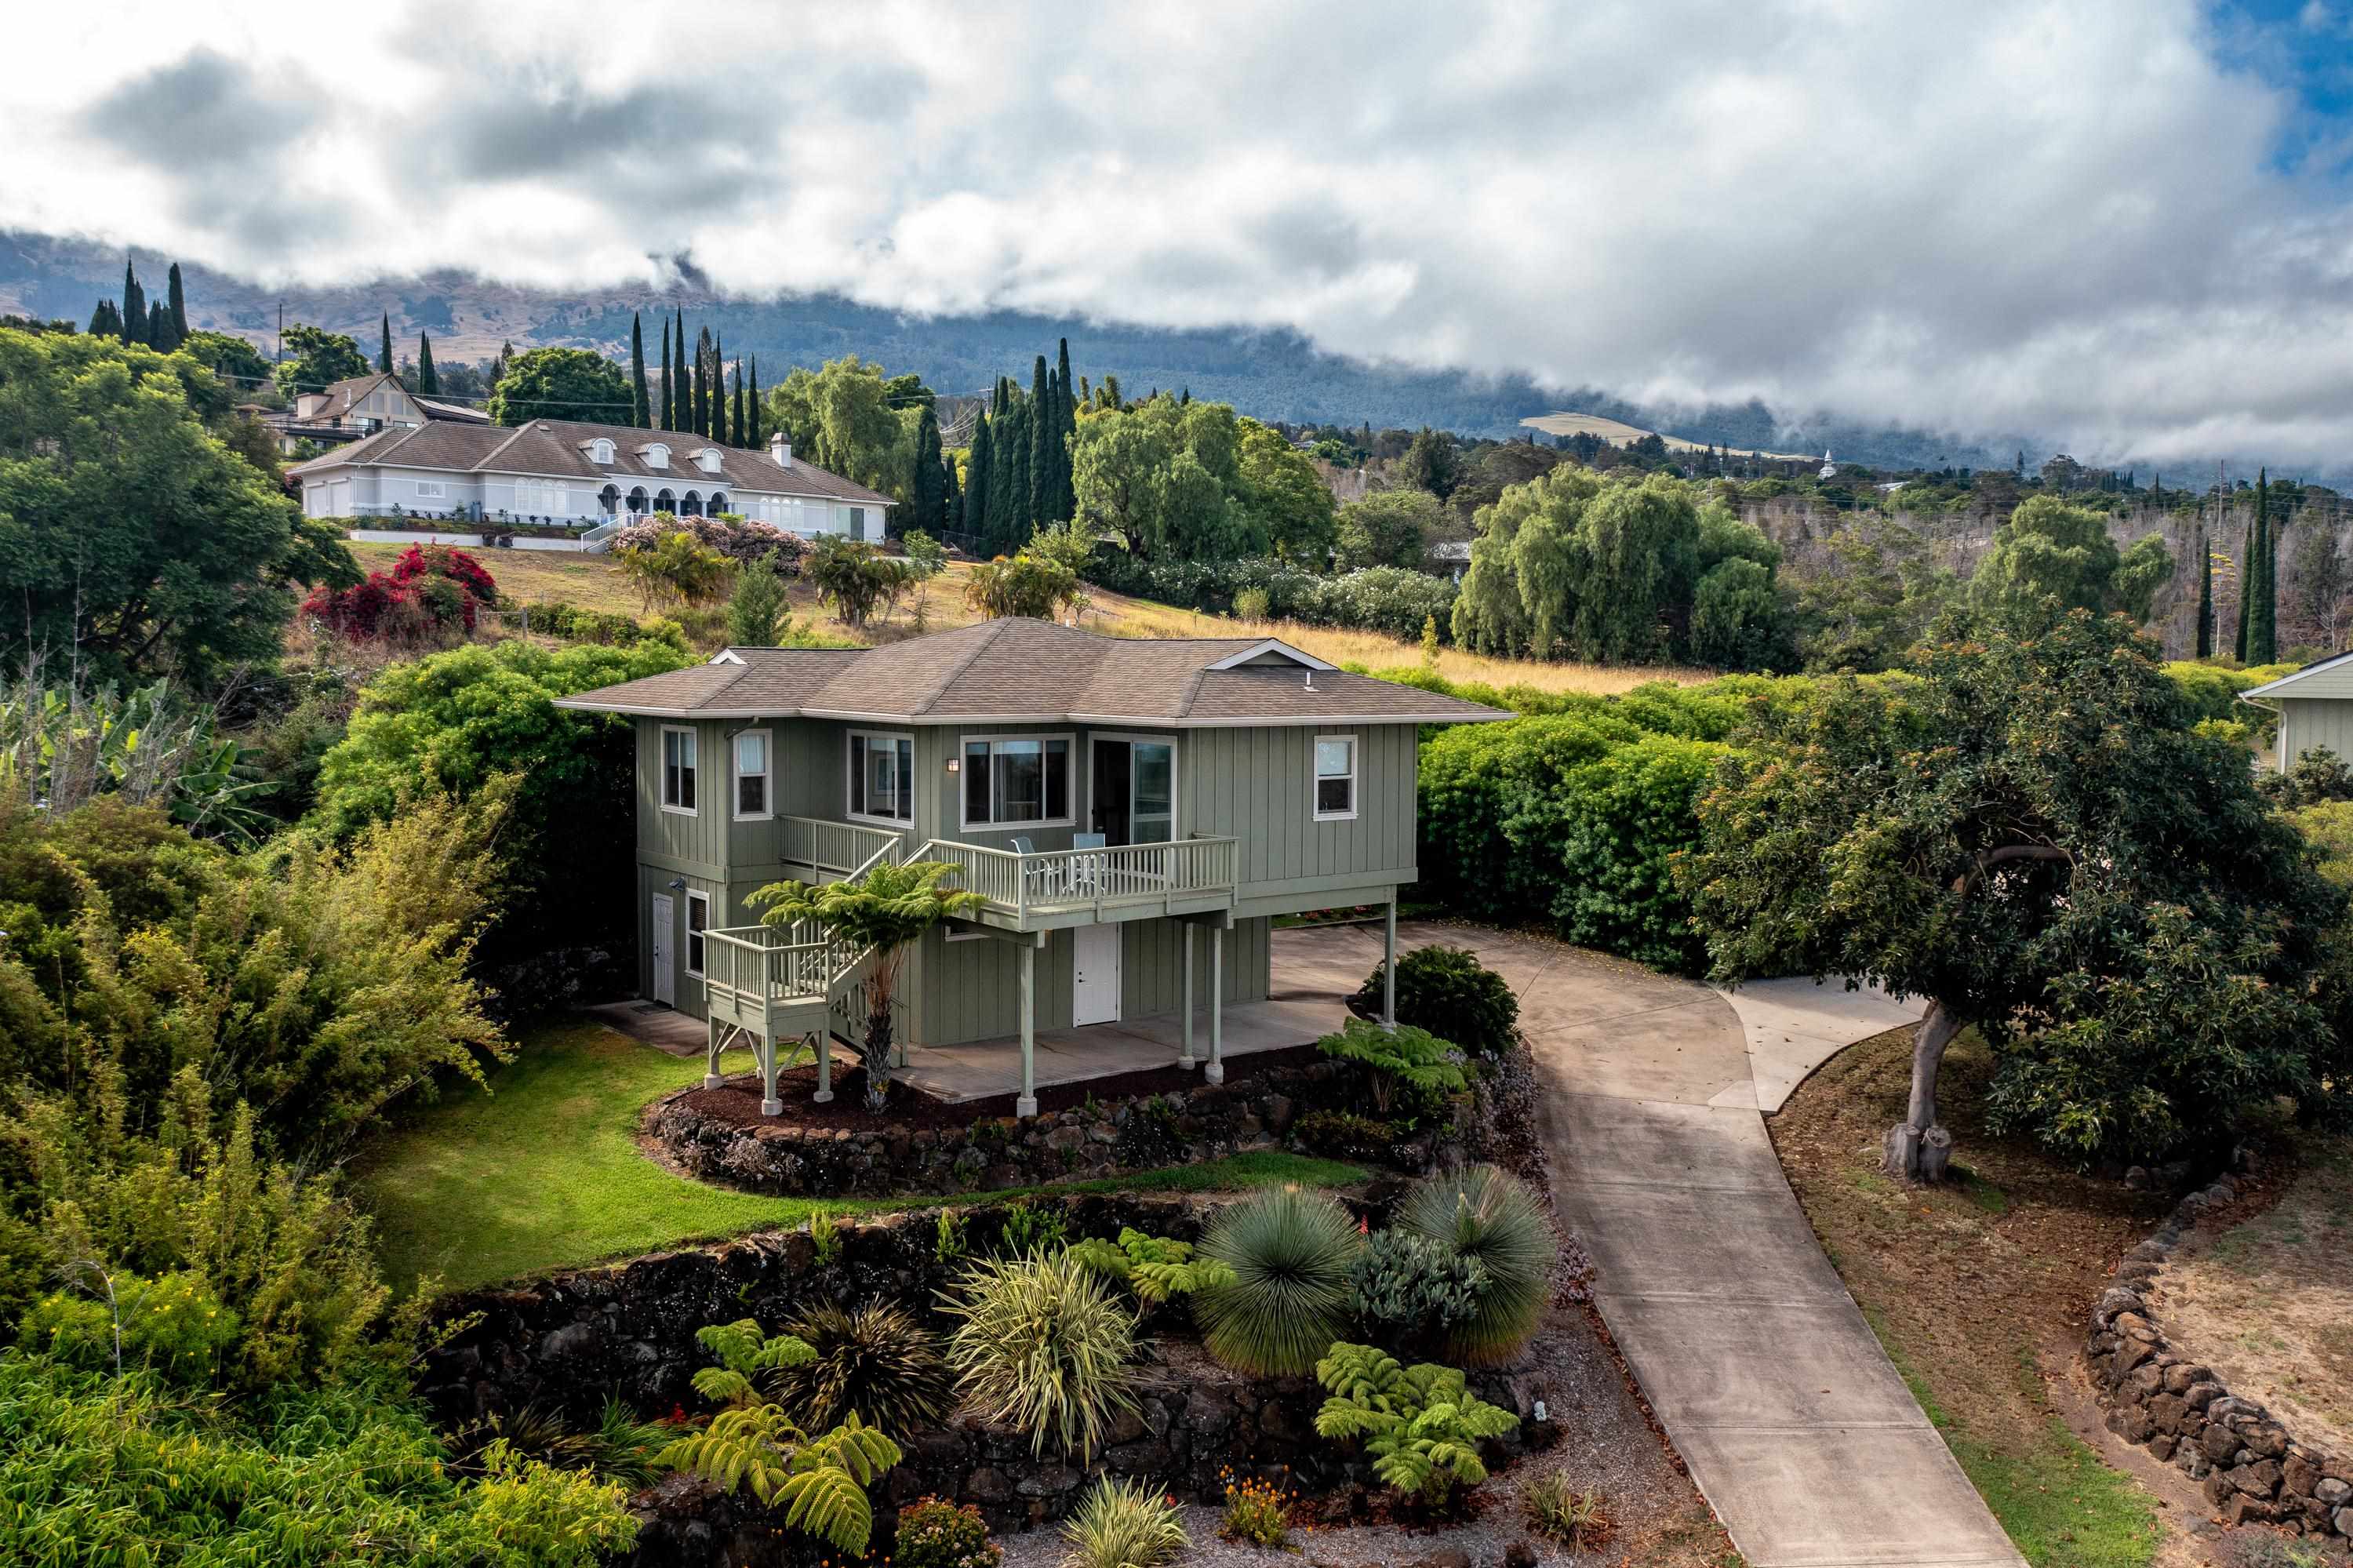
(1395, 601)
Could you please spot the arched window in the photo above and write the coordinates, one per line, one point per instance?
(657, 455)
(638, 499)
(600, 451)
(665, 502)
(709, 458)
(692, 507)
(609, 500)
(718, 502)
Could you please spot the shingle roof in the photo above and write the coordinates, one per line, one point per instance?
(561, 447)
(1016, 671)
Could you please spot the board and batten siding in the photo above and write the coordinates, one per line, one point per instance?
(2308, 723)
(1256, 785)
(967, 991)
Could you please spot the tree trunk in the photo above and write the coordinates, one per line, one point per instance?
(877, 1054)
(1917, 1149)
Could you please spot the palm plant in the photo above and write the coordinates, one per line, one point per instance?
(886, 911)
(1044, 1346)
(1290, 1295)
(1481, 1213)
(876, 1360)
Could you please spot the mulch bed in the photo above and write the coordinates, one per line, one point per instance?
(736, 1102)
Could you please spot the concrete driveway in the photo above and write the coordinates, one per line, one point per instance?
(1794, 1423)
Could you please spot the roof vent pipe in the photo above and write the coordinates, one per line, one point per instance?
(1311, 680)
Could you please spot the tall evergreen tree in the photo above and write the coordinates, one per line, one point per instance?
(759, 434)
(2263, 636)
(929, 501)
(2246, 590)
(976, 480)
(1042, 486)
(668, 380)
(428, 380)
(1066, 409)
(640, 410)
(159, 328)
(106, 321)
(383, 350)
(700, 408)
(179, 307)
(135, 306)
(2205, 598)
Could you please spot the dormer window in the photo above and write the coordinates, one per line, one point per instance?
(656, 454)
(709, 458)
(600, 451)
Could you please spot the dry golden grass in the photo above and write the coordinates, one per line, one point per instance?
(594, 582)
(1122, 617)
(1617, 432)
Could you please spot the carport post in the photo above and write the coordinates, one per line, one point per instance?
(1216, 1070)
(1388, 964)
(1185, 940)
(1026, 1104)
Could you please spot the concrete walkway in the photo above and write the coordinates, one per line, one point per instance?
(1775, 1391)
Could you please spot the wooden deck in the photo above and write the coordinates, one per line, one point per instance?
(989, 1067)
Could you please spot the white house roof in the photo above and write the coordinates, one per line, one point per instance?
(561, 449)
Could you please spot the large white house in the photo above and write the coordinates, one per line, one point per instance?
(553, 470)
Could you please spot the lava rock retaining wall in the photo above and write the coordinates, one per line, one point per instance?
(1207, 1122)
(2252, 1469)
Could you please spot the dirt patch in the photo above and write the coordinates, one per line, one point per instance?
(2268, 1302)
(736, 1102)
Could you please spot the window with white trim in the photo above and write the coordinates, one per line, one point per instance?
(431, 490)
(697, 921)
(600, 451)
(752, 774)
(1015, 781)
(882, 777)
(678, 769)
(657, 455)
(1335, 777)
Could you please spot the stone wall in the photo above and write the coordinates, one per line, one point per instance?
(2251, 1467)
(1205, 1122)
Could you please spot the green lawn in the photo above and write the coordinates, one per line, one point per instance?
(544, 1172)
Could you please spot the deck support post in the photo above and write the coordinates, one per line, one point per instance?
(1026, 1104)
(1388, 964)
(767, 1049)
(1184, 940)
(711, 1056)
(824, 1043)
(1216, 1070)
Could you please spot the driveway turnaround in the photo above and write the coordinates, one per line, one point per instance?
(1774, 1389)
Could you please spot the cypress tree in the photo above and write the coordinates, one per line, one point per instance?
(159, 327)
(384, 350)
(668, 380)
(103, 321)
(930, 498)
(737, 427)
(179, 307)
(759, 434)
(1066, 427)
(135, 306)
(2205, 598)
(2262, 640)
(1042, 486)
(976, 480)
(698, 406)
(429, 382)
(641, 409)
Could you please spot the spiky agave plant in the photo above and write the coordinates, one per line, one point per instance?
(1488, 1214)
(1289, 1297)
(878, 1360)
(1043, 1345)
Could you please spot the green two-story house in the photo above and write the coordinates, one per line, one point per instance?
(1136, 813)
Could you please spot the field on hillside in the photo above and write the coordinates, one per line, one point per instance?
(1618, 433)
(594, 582)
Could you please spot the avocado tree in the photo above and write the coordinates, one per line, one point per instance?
(887, 910)
(2031, 836)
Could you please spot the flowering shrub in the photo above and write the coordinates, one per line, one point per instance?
(431, 591)
(936, 1535)
(733, 537)
(1257, 1513)
(174, 1324)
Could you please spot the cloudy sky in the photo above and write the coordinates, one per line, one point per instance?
(2127, 224)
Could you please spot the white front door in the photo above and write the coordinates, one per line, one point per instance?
(665, 982)
(1094, 970)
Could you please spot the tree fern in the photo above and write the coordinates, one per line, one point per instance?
(747, 1359)
(1415, 1058)
(820, 1482)
(1154, 1268)
(1421, 1424)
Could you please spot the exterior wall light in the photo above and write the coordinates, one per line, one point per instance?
(952, 764)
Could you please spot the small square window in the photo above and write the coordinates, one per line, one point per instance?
(1336, 777)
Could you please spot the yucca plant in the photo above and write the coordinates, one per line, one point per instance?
(1289, 1252)
(878, 1360)
(1554, 1508)
(821, 1481)
(1486, 1213)
(1122, 1524)
(1044, 1346)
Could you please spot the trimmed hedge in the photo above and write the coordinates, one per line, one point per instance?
(1391, 599)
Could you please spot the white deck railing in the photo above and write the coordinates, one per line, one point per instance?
(845, 849)
(1054, 880)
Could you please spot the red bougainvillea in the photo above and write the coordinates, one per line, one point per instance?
(431, 591)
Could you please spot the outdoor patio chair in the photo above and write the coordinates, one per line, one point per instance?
(1086, 879)
(1040, 879)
